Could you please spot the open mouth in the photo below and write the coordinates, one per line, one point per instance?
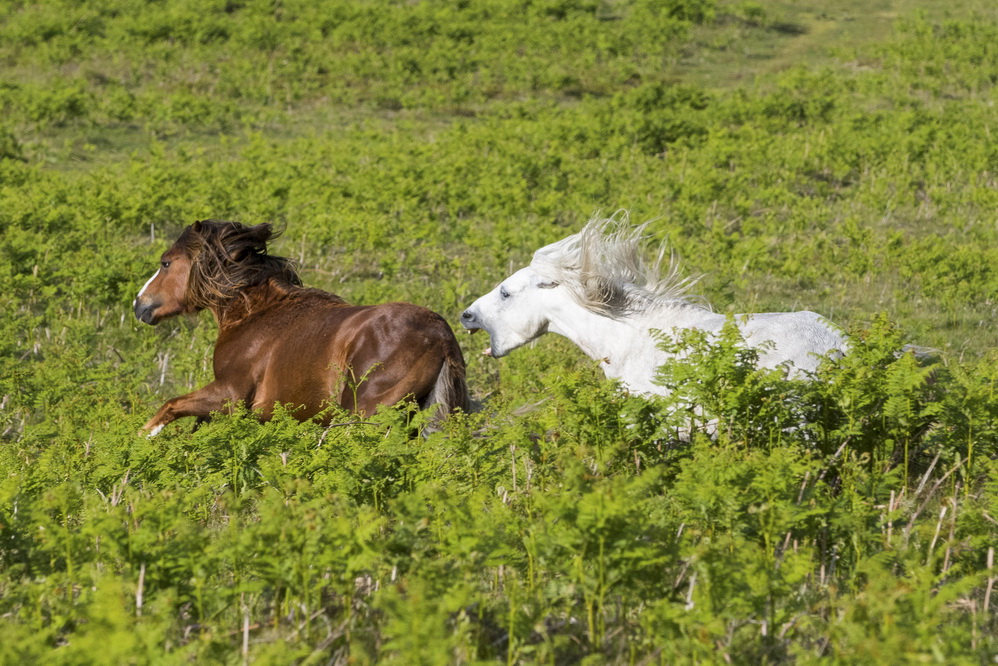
(471, 331)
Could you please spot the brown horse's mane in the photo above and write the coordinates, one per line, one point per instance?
(227, 258)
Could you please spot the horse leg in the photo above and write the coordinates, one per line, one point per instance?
(390, 385)
(200, 403)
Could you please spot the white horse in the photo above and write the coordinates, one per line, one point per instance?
(595, 288)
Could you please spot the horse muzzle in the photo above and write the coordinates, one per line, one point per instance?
(470, 320)
(144, 312)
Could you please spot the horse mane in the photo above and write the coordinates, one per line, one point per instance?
(604, 268)
(228, 257)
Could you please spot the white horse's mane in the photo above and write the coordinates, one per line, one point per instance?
(604, 268)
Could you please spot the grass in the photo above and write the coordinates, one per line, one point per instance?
(802, 155)
(751, 41)
(745, 46)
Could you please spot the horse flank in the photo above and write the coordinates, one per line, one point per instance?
(604, 269)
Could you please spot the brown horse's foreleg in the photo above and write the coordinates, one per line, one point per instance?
(200, 403)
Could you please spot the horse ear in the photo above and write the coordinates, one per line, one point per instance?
(196, 227)
(249, 240)
(260, 233)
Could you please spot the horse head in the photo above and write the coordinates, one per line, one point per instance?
(600, 271)
(208, 263)
(163, 294)
(514, 313)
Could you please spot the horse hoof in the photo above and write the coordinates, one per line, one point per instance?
(150, 432)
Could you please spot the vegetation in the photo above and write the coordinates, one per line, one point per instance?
(836, 157)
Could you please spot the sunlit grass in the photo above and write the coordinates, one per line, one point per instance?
(824, 156)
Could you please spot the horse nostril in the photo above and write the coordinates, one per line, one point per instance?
(467, 316)
(143, 312)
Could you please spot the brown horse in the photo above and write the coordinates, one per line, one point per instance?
(279, 342)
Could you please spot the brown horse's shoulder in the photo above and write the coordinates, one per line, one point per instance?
(311, 294)
(282, 295)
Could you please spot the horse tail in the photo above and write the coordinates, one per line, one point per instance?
(450, 391)
(920, 353)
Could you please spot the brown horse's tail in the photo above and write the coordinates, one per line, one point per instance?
(450, 391)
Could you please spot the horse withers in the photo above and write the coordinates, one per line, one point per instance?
(280, 342)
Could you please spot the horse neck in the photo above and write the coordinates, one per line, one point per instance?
(614, 339)
(250, 300)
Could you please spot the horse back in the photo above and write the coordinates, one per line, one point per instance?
(801, 338)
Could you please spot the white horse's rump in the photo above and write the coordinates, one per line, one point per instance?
(596, 289)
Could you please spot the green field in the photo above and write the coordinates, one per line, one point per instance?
(839, 156)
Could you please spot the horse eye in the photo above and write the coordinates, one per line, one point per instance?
(164, 264)
(503, 293)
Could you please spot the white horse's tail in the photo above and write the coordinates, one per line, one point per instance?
(921, 353)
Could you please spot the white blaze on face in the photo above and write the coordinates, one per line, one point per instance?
(143, 289)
